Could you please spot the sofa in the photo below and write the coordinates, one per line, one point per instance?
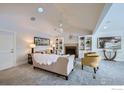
(63, 66)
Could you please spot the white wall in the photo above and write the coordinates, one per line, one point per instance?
(106, 33)
(24, 34)
(74, 33)
(23, 40)
(114, 21)
(67, 40)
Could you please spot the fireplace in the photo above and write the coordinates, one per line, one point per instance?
(72, 50)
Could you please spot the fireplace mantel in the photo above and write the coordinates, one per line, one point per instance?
(71, 44)
(71, 48)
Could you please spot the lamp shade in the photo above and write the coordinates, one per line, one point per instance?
(50, 48)
(32, 45)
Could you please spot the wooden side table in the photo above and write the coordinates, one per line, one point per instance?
(30, 59)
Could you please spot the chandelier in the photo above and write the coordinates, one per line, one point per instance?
(59, 29)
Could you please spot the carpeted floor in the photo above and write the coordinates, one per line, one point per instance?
(110, 73)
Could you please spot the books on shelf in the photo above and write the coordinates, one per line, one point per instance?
(59, 45)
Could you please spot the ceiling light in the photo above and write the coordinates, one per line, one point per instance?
(40, 10)
(105, 27)
(60, 25)
(61, 30)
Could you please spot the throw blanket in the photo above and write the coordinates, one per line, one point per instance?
(46, 59)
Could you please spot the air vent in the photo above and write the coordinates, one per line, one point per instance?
(32, 18)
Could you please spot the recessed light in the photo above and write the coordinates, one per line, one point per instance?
(40, 10)
(60, 25)
(32, 18)
(105, 27)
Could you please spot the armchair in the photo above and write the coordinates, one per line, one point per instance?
(91, 59)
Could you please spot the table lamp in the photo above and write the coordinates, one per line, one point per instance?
(32, 47)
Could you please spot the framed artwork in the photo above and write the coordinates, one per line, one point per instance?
(113, 42)
(38, 41)
(82, 43)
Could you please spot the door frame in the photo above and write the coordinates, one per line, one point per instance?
(14, 33)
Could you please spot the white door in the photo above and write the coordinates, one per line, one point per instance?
(7, 50)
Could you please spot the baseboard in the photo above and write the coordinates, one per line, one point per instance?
(7, 67)
(14, 65)
(20, 63)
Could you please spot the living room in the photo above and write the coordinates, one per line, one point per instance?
(55, 32)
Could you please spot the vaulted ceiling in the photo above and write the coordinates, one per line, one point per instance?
(113, 21)
(76, 17)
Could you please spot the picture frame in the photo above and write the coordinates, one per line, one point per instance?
(38, 41)
(113, 42)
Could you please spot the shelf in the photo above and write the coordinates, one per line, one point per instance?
(85, 44)
(59, 45)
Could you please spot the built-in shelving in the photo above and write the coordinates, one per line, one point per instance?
(85, 45)
(59, 45)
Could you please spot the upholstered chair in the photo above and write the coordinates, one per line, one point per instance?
(91, 59)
